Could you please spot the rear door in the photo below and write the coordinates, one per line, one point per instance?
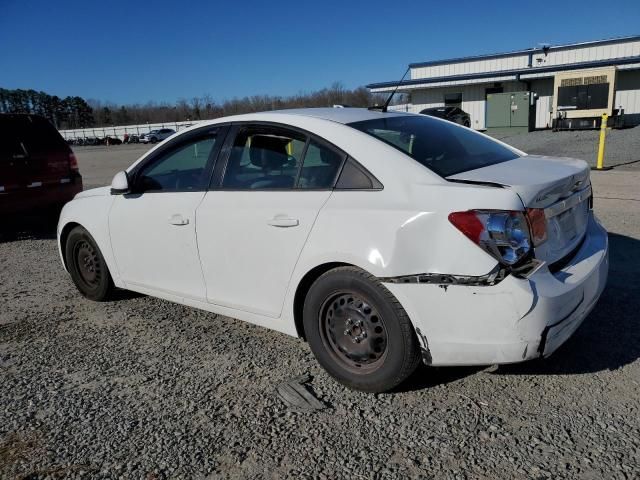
(255, 219)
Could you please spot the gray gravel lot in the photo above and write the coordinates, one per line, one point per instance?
(622, 147)
(99, 164)
(143, 388)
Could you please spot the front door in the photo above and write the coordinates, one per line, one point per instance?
(153, 229)
(253, 225)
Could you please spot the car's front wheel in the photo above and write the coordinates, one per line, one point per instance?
(87, 267)
(358, 331)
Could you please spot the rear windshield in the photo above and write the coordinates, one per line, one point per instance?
(29, 135)
(442, 147)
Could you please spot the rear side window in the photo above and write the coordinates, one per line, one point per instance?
(442, 147)
(10, 145)
(264, 159)
(355, 177)
(320, 168)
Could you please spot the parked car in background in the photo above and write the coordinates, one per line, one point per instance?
(453, 114)
(38, 170)
(108, 140)
(382, 238)
(130, 138)
(143, 137)
(155, 136)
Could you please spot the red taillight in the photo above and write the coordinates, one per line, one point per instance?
(73, 162)
(468, 223)
(538, 225)
(503, 234)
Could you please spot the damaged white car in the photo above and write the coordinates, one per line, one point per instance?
(383, 239)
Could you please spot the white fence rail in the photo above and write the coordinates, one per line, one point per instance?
(119, 131)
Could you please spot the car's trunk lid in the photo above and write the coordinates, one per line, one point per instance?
(560, 186)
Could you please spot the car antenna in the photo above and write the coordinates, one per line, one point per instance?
(383, 108)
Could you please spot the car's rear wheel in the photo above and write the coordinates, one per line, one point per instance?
(358, 331)
(467, 123)
(87, 267)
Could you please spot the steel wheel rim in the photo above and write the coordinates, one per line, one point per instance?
(353, 332)
(87, 264)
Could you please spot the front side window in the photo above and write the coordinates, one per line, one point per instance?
(445, 148)
(264, 158)
(181, 169)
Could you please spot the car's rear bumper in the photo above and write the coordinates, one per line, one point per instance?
(39, 197)
(514, 320)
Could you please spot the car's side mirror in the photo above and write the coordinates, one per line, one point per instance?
(120, 184)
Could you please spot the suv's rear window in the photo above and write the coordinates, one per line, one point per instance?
(443, 147)
(36, 134)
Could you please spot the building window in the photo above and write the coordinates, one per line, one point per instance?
(453, 100)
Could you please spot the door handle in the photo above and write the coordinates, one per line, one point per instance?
(177, 219)
(283, 221)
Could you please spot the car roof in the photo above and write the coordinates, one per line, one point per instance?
(339, 115)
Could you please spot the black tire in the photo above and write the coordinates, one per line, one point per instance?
(341, 305)
(467, 123)
(87, 267)
(154, 140)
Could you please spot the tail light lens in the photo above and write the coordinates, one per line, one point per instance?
(503, 234)
(73, 162)
(538, 225)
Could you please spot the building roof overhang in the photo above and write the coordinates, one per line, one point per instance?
(502, 75)
(527, 51)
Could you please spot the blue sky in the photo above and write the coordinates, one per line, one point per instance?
(137, 51)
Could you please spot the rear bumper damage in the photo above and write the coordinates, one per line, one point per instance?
(512, 320)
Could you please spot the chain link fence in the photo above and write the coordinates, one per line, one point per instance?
(119, 131)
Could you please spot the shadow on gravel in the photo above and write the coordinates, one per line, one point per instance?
(425, 377)
(29, 226)
(120, 295)
(609, 338)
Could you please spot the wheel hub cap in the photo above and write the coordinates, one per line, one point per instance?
(88, 263)
(354, 331)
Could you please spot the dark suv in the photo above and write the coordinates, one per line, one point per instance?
(38, 170)
(453, 114)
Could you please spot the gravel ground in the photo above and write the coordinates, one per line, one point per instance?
(622, 147)
(143, 388)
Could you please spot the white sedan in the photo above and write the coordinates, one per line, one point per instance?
(155, 136)
(382, 239)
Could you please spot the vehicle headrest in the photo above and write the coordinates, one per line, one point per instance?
(328, 157)
(268, 152)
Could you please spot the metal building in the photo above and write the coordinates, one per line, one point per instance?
(563, 86)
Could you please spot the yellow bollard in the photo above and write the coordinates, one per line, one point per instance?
(603, 134)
